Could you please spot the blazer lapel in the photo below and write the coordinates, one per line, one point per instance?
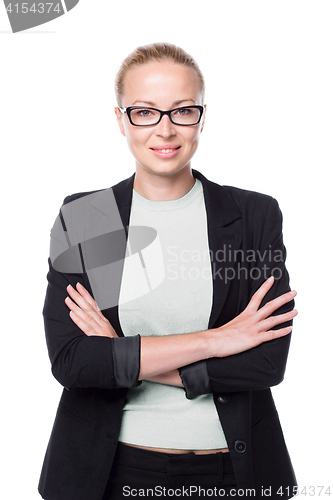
(224, 225)
(123, 194)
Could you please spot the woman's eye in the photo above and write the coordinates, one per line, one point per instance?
(144, 112)
(184, 111)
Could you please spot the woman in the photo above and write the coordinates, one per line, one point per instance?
(167, 370)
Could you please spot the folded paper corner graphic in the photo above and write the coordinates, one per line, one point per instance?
(70, 4)
(28, 14)
(88, 236)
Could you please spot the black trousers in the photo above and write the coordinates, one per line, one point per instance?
(138, 473)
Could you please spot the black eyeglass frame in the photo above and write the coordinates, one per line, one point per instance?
(162, 113)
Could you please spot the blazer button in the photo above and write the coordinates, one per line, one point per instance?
(240, 446)
(224, 397)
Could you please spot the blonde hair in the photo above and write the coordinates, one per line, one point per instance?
(155, 52)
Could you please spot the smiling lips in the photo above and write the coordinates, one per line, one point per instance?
(167, 151)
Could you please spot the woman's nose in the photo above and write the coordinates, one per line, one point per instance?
(165, 128)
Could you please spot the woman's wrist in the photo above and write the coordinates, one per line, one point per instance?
(169, 352)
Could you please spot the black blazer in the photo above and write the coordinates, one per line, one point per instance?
(245, 239)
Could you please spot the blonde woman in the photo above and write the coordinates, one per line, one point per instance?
(167, 316)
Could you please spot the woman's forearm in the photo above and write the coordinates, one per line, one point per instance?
(169, 352)
(163, 354)
(249, 329)
(169, 378)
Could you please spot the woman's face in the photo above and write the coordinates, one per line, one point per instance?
(163, 85)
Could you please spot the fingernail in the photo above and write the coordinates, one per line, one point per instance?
(270, 278)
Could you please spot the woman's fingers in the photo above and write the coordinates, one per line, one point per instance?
(86, 295)
(85, 313)
(81, 313)
(258, 296)
(81, 318)
(84, 327)
(272, 321)
(274, 334)
(77, 297)
(86, 303)
(82, 297)
(255, 325)
(270, 307)
(275, 304)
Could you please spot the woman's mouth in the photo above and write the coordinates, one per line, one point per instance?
(166, 151)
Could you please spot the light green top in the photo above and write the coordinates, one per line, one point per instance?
(170, 286)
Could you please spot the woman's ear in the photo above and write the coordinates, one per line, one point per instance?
(119, 116)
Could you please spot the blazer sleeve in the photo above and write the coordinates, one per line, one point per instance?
(262, 366)
(78, 360)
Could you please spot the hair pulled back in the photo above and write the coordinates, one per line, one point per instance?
(155, 52)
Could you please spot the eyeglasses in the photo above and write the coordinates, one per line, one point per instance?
(147, 117)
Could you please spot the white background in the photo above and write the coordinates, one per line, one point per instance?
(268, 70)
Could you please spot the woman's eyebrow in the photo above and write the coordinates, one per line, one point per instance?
(176, 103)
(149, 103)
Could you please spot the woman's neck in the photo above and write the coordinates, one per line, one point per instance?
(163, 187)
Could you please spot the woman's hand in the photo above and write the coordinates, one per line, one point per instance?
(86, 314)
(253, 326)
